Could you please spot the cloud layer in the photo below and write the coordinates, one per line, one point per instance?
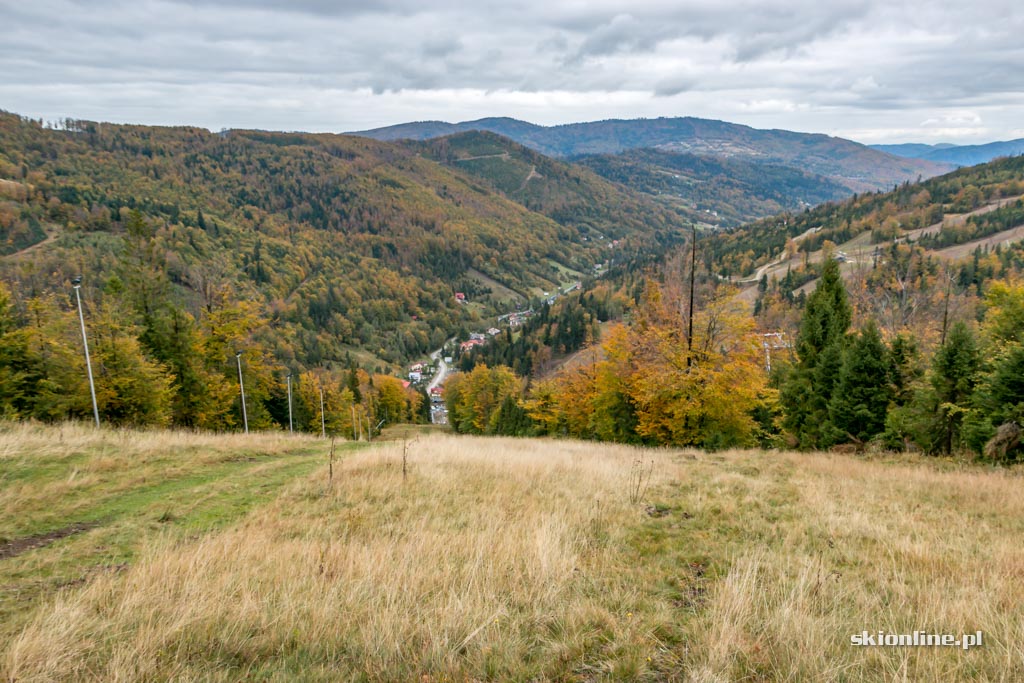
(867, 69)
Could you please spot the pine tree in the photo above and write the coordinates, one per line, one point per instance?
(998, 400)
(905, 368)
(954, 370)
(861, 397)
(807, 389)
(510, 419)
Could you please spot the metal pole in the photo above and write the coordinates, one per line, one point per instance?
(693, 272)
(241, 387)
(291, 429)
(323, 424)
(88, 362)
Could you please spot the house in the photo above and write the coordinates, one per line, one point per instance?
(493, 331)
(459, 296)
(418, 367)
(415, 376)
(467, 345)
(479, 336)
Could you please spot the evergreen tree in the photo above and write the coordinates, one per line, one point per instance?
(807, 389)
(904, 368)
(511, 419)
(858, 405)
(998, 400)
(353, 384)
(947, 399)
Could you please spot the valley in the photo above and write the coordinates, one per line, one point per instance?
(613, 342)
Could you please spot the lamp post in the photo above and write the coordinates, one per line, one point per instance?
(290, 428)
(241, 388)
(76, 283)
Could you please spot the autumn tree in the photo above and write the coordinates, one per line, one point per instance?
(473, 398)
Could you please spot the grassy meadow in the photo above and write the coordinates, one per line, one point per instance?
(224, 558)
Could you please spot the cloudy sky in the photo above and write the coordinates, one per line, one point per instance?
(871, 70)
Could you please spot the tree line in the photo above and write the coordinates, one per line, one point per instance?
(649, 382)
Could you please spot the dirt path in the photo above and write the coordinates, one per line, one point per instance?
(21, 545)
(959, 251)
(503, 155)
(50, 237)
(529, 176)
(782, 259)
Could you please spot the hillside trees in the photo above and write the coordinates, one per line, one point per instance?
(994, 426)
(475, 399)
(706, 399)
(645, 386)
(858, 406)
(43, 374)
(807, 388)
(344, 243)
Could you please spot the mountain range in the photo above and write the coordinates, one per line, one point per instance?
(853, 165)
(958, 155)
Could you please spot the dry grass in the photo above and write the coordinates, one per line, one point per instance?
(75, 501)
(501, 559)
(48, 473)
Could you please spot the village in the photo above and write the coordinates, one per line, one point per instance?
(431, 374)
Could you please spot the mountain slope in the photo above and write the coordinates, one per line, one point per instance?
(856, 166)
(959, 155)
(954, 209)
(913, 150)
(725, 192)
(569, 194)
(346, 244)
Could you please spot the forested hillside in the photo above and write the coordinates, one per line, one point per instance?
(718, 191)
(306, 251)
(856, 166)
(891, 321)
(937, 206)
(568, 194)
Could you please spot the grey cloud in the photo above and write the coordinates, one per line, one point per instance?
(857, 57)
(675, 85)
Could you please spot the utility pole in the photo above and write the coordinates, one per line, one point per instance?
(693, 273)
(945, 310)
(241, 388)
(76, 283)
(323, 423)
(291, 428)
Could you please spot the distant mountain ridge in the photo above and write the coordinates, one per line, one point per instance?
(958, 155)
(857, 166)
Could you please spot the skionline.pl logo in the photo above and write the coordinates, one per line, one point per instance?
(918, 638)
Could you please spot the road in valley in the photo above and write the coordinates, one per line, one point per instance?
(438, 411)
